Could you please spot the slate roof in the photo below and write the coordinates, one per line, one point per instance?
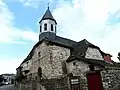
(53, 38)
(87, 43)
(78, 49)
(48, 15)
(116, 64)
(91, 61)
(81, 47)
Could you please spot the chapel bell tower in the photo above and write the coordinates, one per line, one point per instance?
(48, 23)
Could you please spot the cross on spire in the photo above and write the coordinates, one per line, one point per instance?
(48, 15)
(48, 5)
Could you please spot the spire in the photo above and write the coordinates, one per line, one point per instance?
(47, 23)
(48, 5)
(48, 15)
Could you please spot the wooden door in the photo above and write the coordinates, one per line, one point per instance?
(94, 81)
(75, 87)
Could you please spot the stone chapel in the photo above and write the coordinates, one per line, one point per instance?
(58, 63)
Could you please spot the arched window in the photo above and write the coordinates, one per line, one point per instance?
(39, 55)
(45, 26)
(40, 28)
(51, 27)
(30, 76)
(40, 72)
(74, 63)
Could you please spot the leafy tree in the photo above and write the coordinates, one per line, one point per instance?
(119, 55)
(1, 78)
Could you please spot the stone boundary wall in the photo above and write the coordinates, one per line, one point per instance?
(111, 78)
(51, 84)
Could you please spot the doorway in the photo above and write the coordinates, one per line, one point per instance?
(75, 83)
(94, 81)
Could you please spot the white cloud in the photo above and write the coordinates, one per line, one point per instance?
(9, 65)
(8, 32)
(88, 19)
(30, 3)
(11, 34)
(34, 3)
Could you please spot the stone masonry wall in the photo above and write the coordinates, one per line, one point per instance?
(111, 78)
(50, 58)
(45, 84)
(80, 68)
(57, 56)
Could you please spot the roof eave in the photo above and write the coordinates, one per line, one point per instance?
(49, 19)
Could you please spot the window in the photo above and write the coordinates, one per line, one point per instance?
(5, 80)
(40, 72)
(27, 62)
(40, 28)
(39, 54)
(91, 67)
(74, 63)
(45, 26)
(51, 27)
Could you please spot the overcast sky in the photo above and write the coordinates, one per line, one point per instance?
(98, 21)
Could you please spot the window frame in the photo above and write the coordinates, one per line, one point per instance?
(39, 54)
(52, 29)
(45, 27)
